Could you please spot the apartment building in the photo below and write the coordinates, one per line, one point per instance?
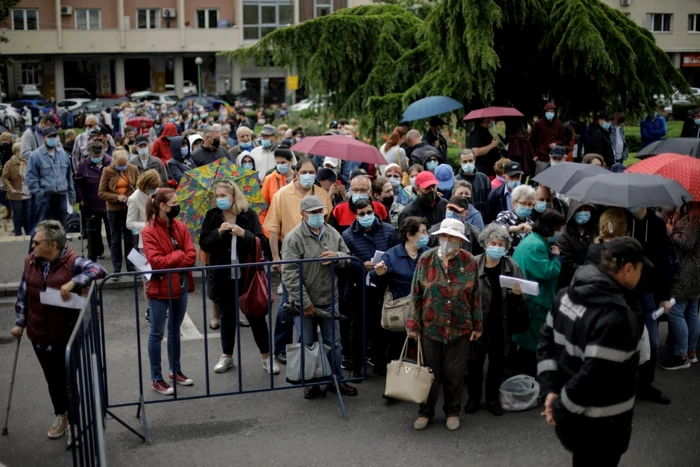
(676, 27)
(115, 46)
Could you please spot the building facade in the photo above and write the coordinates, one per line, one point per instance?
(119, 46)
(676, 27)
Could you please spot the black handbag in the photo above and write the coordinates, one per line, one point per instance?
(518, 316)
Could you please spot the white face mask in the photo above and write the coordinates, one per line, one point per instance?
(447, 247)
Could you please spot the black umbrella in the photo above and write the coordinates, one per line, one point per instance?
(562, 177)
(628, 190)
(683, 146)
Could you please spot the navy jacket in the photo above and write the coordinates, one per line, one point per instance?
(363, 244)
(87, 181)
(400, 269)
(495, 204)
(178, 165)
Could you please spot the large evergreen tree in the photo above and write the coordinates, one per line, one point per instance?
(375, 60)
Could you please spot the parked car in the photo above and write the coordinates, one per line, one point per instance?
(28, 90)
(168, 97)
(70, 105)
(209, 103)
(188, 89)
(313, 103)
(10, 117)
(77, 93)
(96, 105)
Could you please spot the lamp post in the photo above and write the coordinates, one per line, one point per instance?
(198, 61)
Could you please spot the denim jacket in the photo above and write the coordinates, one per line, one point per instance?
(50, 174)
(613, 141)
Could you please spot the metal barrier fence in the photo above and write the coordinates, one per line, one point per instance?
(237, 268)
(86, 406)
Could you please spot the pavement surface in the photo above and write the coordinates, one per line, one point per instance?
(281, 428)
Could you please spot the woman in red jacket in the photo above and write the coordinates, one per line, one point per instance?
(167, 245)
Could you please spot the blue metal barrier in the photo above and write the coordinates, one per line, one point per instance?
(267, 267)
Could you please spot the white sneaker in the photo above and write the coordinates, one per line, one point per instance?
(266, 366)
(225, 362)
(279, 289)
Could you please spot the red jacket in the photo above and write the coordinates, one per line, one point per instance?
(543, 134)
(161, 254)
(342, 217)
(161, 147)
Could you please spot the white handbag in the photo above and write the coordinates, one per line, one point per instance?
(395, 312)
(316, 364)
(410, 382)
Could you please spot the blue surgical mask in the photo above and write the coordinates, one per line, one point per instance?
(431, 165)
(315, 221)
(283, 168)
(541, 206)
(184, 152)
(247, 145)
(395, 182)
(513, 184)
(90, 131)
(412, 181)
(171, 119)
(549, 115)
(266, 143)
(582, 217)
(423, 241)
(52, 142)
(468, 168)
(451, 215)
(553, 239)
(495, 252)
(357, 197)
(195, 117)
(96, 160)
(366, 221)
(606, 125)
(697, 121)
(223, 203)
(121, 168)
(307, 180)
(634, 209)
(553, 163)
(248, 165)
(143, 151)
(523, 212)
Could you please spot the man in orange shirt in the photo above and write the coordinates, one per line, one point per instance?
(282, 175)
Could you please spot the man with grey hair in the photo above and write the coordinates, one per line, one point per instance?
(342, 216)
(80, 148)
(53, 265)
(245, 143)
(420, 151)
(211, 149)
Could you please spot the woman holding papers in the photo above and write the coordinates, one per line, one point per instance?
(504, 315)
(539, 259)
(230, 233)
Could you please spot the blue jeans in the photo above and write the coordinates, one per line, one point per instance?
(159, 312)
(685, 324)
(51, 206)
(20, 217)
(327, 330)
(284, 331)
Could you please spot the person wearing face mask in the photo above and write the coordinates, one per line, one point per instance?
(501, 199)
(652, 128)
(599, 138)
(446, 312)
(161, 147)
(211, 149)
(281, 176)
(463, 189)
(446, 180)
(167, 244)
(364, 237)
(180, 162)
(413, 172)
(264, 155)
(144, 161)
(116, 185)
(545, 199)
(383, 192)
(18, 196)
(93, 210)
(50, 179)
(360, 188)
(617, 138)
(433, 137)
(93, 130)
(195, 141)
(539, 260)
(245, 143)
(504, 315)
(546, 133)
(155, 131)
(33, 138)
(458, 208)
(247, 161)
(691, 126)
(395, 175)
(578, 234)
(481, 185)
(428, 204)
(557, 155)
(519, 220)
(419, 152)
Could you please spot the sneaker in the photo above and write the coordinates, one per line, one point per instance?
(452, 423)
(674, 362)
(281, 358)
(346, 364)
(225, 362)
(59, 427)
(692, 357)
(266, 366)
(279, 289)
(148, 315)
(162, 387)
(182, 380)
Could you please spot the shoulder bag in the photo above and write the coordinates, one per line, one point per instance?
(316, 364)
(254, 301)
(407, 381)
(395, 312)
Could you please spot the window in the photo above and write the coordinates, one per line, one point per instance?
(25, 19)
(148, 18)
(659, 22)
(322, 8)
(693, 23)
(261, 18)
(88, 18)
(30, 73)
(207, 18)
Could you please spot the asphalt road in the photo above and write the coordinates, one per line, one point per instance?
(281, 428)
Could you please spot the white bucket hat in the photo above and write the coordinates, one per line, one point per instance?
(453, 228)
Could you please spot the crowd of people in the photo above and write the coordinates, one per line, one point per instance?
(445, 237)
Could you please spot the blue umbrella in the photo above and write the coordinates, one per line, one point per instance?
(430, 107)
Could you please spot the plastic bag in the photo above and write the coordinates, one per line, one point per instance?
(644, 347)
(519, 393)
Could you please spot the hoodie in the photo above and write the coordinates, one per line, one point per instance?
(161, 146)
(573, 245)
(545, 132)
(178, 164)
(651, 233)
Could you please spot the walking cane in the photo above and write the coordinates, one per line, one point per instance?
(12, 384)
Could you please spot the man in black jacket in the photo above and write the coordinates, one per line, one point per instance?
(691, 126)
(599, 138)
(588, 358)
(433, 137)
(420, 151)
(428, 204)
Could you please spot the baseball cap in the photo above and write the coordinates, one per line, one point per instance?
(332, 161)
(557, 152)
(627, 250)
(512, 168)
(458, 203)
(326, 174)
(425, 180)
(451, 227)
(268, 130)
(141, 139)
(49, 131)
(444, 176)
(311, 203)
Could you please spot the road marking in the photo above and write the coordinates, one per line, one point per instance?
(189, 331)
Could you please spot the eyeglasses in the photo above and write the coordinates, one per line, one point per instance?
(37, 242)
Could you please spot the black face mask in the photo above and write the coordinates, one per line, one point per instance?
(388, 201)
(174, 211)
(429, 196)
(216, 142)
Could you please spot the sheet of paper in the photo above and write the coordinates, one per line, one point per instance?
(53, 297)
(527, 287)
(377, 256)
(139, 261)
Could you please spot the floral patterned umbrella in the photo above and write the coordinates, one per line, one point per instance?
(196, 191)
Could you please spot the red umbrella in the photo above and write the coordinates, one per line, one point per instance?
(140, 124)
(683, 169)
(340, 147)
(493, 112)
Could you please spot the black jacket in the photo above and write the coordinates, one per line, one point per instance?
(689, 131)
(651, 233)
(599, 143)
(219, 247)
(573, 245)
(495, 204)
(429, 138)
(420, 153)
(434, 213)
(592, 363)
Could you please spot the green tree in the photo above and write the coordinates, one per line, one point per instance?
(582, 54)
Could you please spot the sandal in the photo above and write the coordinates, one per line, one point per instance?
(214, 324)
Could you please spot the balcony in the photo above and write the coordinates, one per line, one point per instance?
(140, 41)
